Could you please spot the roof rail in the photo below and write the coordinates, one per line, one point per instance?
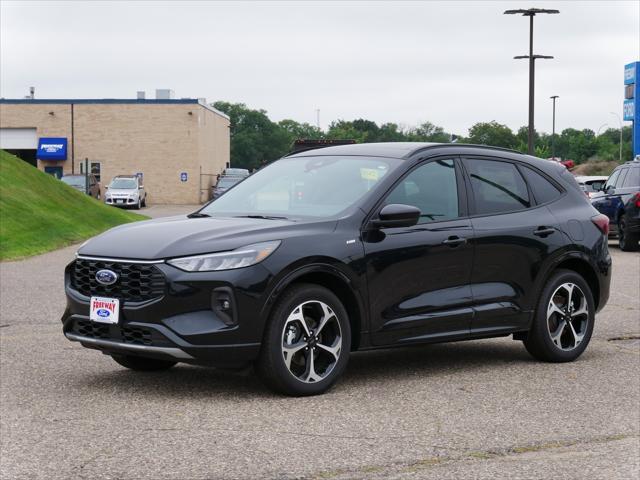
(472, 145)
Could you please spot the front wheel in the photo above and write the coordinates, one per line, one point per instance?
(306, 343)
(564, 319)
(142, 364)
(627, 241)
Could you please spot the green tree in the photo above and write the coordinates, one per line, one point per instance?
(492, 133)
(255, 140)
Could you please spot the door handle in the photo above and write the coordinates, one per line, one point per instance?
(544, 231)
(454, 241)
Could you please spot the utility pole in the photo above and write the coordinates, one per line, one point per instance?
(318, 118)
(553, 128)
(531, 12)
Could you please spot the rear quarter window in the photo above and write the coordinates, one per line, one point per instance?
(633, 178)
(543, 190)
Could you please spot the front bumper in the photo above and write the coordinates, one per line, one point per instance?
(183, 323)
(121, 202)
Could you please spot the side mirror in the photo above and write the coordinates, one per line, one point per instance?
(140, 187)
(397, 215)
(609, 189)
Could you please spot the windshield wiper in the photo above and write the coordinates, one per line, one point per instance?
(264, 217)
(198, 215)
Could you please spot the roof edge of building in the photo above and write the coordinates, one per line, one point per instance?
(111, 101)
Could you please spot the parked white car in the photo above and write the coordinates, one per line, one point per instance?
(591, 184)
(126, 191)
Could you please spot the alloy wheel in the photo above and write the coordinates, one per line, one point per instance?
(311, 341)
(567, 316)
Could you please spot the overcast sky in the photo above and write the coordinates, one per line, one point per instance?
(405, 62)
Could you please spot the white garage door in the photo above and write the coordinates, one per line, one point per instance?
(18, 139)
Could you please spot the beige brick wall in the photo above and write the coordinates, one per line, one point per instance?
(159, 140)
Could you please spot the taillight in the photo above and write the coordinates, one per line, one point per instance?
(636, 199)
(602, 222)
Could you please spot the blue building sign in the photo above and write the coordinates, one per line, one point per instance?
(630, 107)
(183, 176)
(52, 148)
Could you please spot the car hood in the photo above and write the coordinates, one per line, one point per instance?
(121, 191)
(182, 236)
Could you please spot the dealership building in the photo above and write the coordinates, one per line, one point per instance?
(177, 146)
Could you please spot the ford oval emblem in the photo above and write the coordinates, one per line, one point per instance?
(106, 277)
(103, 312)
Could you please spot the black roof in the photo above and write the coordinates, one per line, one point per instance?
(388, 149)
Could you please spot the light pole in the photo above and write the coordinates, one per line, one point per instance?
(553, 128)
(600, 128)
(531, 12)
(620, 123)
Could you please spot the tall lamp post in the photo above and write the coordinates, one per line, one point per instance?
(553, 127)
(531, 12)
(620, 123)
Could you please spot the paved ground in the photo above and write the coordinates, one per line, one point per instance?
(481, 409)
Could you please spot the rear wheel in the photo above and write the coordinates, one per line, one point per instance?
(142, 364)
(627, 241)
(306, 343)
(144, 201)
(564, 319)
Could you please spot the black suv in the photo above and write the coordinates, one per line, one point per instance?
(620, 201)
(350, 248)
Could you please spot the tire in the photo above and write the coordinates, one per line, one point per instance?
(142, 364)
(144, 202)
(137, 206)
(329, 350)
(552, 322)
(628, 242)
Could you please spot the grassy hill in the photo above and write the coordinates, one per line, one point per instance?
(39, 213)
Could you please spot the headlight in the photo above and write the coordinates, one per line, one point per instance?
(133, 195)
(238, 258)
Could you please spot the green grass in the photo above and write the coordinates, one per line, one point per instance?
(39, 213)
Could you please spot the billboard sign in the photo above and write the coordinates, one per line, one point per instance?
(52, 148)
(630, 107)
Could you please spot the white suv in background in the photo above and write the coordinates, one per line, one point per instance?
(126, 191)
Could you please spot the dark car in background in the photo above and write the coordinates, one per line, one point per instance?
(86, 184)
(619, 200)
(224, 183)
(350, 248)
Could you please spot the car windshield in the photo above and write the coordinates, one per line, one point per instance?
(593, 185)
(228, 182)
(124, 183)
(74, 181)
(303, 186)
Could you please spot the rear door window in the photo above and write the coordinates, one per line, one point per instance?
(543, 190)
(632, 179)
(497, 187)
(620, 180)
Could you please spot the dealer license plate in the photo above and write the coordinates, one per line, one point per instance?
(104, 310)
(119, 201)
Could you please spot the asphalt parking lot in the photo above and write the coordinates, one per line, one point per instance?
(480, 409)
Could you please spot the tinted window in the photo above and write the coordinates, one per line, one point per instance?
(497, 187)
(612, 179)
(620, 180)
(432, 188)
(543, 190)
(633, 178)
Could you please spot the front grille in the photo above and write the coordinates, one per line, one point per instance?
(121, 334)
(136, 282)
